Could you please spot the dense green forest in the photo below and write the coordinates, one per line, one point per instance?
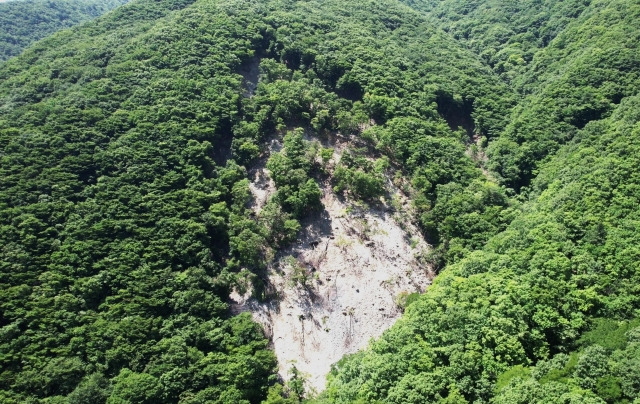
(26, 21)
(513, 312)
(570, 258)
(125, 204)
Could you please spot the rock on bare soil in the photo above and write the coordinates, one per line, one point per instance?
(339, 285)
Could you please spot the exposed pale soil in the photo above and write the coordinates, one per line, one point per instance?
(356, 261)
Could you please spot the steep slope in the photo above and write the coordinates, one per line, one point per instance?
(345, 280)
(24, 22)
(546, 50)
(390, 119)
(580, 77)
(125, 204)
(568, 258)
(176, 153)
(506, 34)
(112, 245)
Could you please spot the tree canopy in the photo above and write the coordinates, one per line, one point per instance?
(126, 212)
(27, 21)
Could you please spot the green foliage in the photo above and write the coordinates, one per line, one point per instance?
(571, 61)
(505, 34)
(595, 374)
(458, 208)
(296, 383)
(131, 387)
(592, 365)
(299, 276)
(326, 154)
(280, 226)
(125, 204)
(292, 392)
(93, 389)
(608, 333)
(404, 299)
(584, 77)
(125, 207)
(290, 169)
(464, 218)
(529, 293)
(25, 22)
(568, 255)
(608, 387)
(122, 224)
(514, 372)
(356, 175)
(278, 395)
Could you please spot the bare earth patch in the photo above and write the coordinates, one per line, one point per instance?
(340, 284)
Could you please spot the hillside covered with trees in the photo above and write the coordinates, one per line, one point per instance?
(566, 262)
(125, 202)
(23, 22)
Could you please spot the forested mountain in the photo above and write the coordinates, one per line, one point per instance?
(506, 34)
(569, 258)
(125, 202)
(572, 62)
(26, 21)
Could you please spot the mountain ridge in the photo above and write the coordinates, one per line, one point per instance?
(127, 207)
